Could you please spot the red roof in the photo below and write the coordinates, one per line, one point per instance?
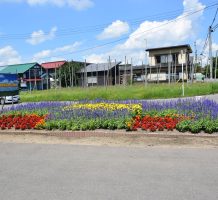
(53, 65)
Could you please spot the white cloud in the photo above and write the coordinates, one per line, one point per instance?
(52, 54)
(157, 34)
(116, 29)
(40, 36)
(8, 55)
(96, 58)
(80, 4)
(76, 4)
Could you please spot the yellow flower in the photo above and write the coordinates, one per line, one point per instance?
(106, 106)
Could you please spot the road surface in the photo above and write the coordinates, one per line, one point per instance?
(67, 172)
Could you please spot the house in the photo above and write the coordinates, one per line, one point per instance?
(52, 72)
(137, 72)
(30, 75)
(63, 73)
(99, 74)
(165, 63)
(51, 67)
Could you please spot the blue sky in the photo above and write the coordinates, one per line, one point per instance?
(48, 30)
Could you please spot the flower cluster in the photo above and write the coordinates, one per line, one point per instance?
(154, 123)
(106, 106)
(20, 121)
(183, 114)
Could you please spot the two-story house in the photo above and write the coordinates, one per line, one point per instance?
(165, 63)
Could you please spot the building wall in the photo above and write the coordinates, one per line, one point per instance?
(181, 59)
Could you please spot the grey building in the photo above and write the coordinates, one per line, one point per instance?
(99, 74)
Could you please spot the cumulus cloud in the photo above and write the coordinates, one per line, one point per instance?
(52, 54)
(76, 4)
(8, 55)
(40, 36)
(116, 29)
(157, 33)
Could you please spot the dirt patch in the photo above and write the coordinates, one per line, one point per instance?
(127, 140)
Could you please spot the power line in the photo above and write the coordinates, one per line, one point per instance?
(205, 44)
(214, 18)
(209, 32)
(138, 34)
(81, 30)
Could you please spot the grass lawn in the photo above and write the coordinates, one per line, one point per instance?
(152, 91)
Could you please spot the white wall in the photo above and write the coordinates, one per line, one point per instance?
(152, 61)
(155, 77)
(182, 58)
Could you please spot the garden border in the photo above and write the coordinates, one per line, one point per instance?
(109, 133)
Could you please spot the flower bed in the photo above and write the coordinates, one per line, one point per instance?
(154, 123)
(183, 115)
(21, 121)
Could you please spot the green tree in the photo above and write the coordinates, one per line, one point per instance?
(67, 74)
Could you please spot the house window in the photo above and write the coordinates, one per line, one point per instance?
(158, 59)
(164, 59)
(175, 58)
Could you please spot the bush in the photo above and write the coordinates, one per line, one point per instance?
(196, 127)
(183, 126)
(210, 126)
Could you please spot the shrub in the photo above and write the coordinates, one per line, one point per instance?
(183, 126)
(196, 126)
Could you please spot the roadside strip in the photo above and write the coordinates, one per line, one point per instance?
(111, 138)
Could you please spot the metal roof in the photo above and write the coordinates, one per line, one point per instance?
(137, 67)
(172, 47)
(17, 69)
(53, 65)
(99, 67)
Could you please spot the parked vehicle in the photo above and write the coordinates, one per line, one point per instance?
(10, 99)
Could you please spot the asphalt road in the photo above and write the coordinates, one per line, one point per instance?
(62, 172)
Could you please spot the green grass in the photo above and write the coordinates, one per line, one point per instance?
(152, 91)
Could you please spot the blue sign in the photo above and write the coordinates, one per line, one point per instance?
(9, 84)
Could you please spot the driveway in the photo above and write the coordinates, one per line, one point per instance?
(66, 172)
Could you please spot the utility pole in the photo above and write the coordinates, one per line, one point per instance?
(125, 73)
(30, 83)
(108, 71)
(55, 78)
(104, 75)
(115, 75)
(169, 66)
(119, 74)
(216, 64)
(131, 72)
(85, 76)
(72, 74)
(146, 78)
(41, 79)
(175, 67)
(183, 89)
(47, 78)
(91, 76)
(97, 74)
(210, 52)
(146, 62)
(195, 62)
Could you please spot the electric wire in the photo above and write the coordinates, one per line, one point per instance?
(133, 35)
(69, 32)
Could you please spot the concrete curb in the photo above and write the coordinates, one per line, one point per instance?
(108, 133)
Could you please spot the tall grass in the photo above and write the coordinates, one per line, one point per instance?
(153, 91)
